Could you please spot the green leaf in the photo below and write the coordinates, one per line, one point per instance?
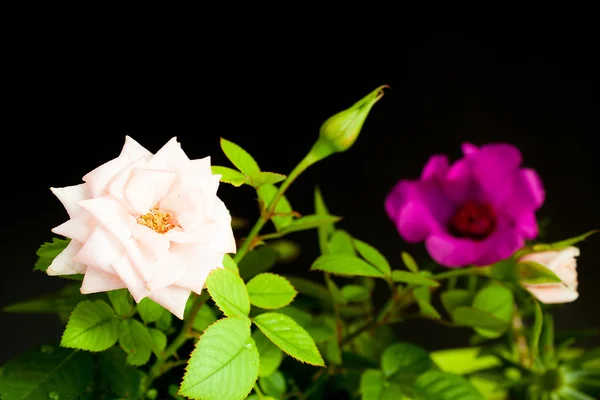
(409, 262)
(333, 352)
(48, 252)
(270, 291)
(258, 260)
(116, 375)
(404, 362)
(121, 301)
(224, 364)
(149, 310)
(413, 278)
(465, 360)
(302, 317)
(374, 387)
(92, 326)
(498, 301)
(270, 355)
(334, 291)
(309, 222)
(229, 175)
(563, 244)
(342, 264)
(289, 337)
(373, 256)
(423, 297)
(341, 243)
(532, 272)
(165, 322)
(44, 370)
(455, 298)
(352, 292)
(438, 385)
(229, 263)
(205, 318)
(239, 157)
(266, 193)
(273, 385)
(229, 293)
(135, 339)
(159, 340)
(469, 316)
(287, 251)
(258, 179)
(325, 230)
(311, 289)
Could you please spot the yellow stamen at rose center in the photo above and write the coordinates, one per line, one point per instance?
(158, 220)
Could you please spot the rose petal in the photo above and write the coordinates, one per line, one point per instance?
(452, 252)
(153, 242)
(533, 187)
(146, 187)
(460, 184)
(170, 157)
(199, 262)
(69, 196)
(469, 149)
(494, 167)
(222, 238)
(173, 298)
(415, 223)
(101, 250)
(553, 293)
(78, 228)
(117, 185)
(436, 167)
(97, 280)
(111, 215)
(64, 263)
(134, 150)
(131, 278)
(99, 178)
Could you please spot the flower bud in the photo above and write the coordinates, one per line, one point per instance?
(342, 129)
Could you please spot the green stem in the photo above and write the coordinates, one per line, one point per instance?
(460, 272)
(159, 367)
(258, 391)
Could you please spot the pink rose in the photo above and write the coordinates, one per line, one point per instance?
(564, 265)
(150, 223)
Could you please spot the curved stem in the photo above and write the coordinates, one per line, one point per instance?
(460, 272)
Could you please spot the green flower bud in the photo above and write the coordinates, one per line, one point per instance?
(342, 129)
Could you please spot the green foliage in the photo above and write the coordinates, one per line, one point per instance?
(150, 311)
(273, 385)
(93, 326)
(229, 293)
(498, 301)
(121, 301)
(358, 293)
(136, 341)
(116, 375)
(372, 256)
(46, 372)
(345, 265)
(224, 364)
(270, 355)
(258, 260)
(239, 157)
(229, 263)
(438, 385)
(283, 210)
(257, 179)
(413, 278)
(270, 291)
(373, 386)
(563, 244)
(409, 262)
(48, 252)
(289, 337)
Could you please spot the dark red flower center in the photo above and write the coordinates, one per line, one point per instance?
(473, 220)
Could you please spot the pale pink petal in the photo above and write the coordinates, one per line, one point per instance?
(134, 150)
(131, 279)
(97, 280)
(119, 182)
(111, 215)
(178, 235)
(199, 261)
(99, 178)
(553, 293)
(222, 238)
(153, 242)
(170, 157)
(157, 273)
(173, 298)
(200, 167)
(69, 196)
(101, 250)
(64, 263)
(146, 187)
(78, 228)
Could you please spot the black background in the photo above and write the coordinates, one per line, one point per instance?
(521, 75)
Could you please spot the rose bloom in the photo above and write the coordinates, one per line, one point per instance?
(150, 223)
(477, 211)
(564, 264)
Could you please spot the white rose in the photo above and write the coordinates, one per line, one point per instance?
(564, 265)
(150, 223)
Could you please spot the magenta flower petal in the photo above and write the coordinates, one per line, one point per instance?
(477, 211)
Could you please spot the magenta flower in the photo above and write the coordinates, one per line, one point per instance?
(476, 211)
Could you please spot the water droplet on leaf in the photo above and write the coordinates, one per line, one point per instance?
(47, 349)
(54, 396)
(248, 346)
